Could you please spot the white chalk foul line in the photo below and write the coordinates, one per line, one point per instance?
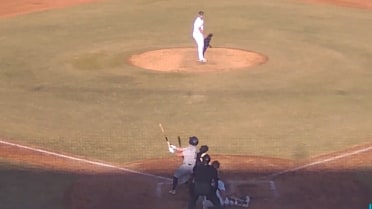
(85, 161)
(320, 162)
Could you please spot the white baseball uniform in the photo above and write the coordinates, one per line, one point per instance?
(199, 37)
(189, 160)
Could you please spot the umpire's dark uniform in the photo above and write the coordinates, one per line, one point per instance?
(199, 156)
(205, 184)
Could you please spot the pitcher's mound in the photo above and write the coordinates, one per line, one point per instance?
(185, 60)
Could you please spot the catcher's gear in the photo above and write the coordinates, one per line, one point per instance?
(237, 201)
(216, 164)
(193, 140)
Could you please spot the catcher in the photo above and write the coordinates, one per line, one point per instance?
(224, 197)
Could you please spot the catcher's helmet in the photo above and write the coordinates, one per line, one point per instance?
(193, 140)
(216, 164)
(206, 159)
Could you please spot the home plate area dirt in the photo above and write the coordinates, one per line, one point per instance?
(327, 181)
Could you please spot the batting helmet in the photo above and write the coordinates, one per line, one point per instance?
(193, 140)
(203, 149)
(206, 159)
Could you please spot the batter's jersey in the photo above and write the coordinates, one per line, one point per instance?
(189, 155)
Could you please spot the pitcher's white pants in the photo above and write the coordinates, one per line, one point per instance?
(199, 39)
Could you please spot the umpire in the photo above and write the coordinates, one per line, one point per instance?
(205, 183)
(199, 156)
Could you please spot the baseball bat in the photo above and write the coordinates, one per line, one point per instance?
(166, 138)
(179, 141)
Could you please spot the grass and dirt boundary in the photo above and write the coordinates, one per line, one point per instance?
(71, 99)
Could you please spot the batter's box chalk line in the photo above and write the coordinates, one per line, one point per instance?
(233, 184)
(159, 188)
(268, 186)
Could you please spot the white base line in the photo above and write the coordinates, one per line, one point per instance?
(85, 161)
(320, 162)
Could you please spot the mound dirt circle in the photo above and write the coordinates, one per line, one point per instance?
(185, 60)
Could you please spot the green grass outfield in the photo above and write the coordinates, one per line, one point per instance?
(66, 84)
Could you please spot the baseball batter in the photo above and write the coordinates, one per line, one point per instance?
(185, 170)
(198, 35)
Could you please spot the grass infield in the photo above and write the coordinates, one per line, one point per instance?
(66, 84)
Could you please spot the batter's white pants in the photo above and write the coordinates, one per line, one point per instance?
(199, 39)
(183, 172)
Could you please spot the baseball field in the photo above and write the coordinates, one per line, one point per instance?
(284, 101)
